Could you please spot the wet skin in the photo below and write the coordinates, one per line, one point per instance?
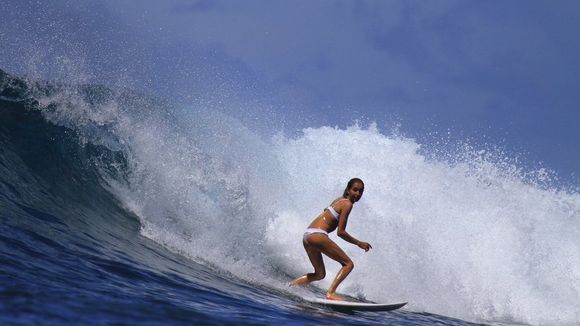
(317, 244)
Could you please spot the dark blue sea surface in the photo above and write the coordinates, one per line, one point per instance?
(72, 253)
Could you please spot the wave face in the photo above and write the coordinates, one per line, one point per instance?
(159, 202)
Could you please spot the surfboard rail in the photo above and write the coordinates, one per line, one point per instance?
(355, 306)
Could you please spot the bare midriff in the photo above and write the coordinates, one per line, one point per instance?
(325, 221)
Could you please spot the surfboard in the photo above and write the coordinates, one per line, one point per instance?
(355, 306)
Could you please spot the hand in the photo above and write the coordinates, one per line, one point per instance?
(364, 245)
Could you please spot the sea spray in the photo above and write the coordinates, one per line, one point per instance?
(471, 239)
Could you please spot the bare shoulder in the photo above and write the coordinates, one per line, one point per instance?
(338, 201)
(343, 203)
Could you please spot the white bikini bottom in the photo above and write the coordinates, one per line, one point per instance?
(311, 231)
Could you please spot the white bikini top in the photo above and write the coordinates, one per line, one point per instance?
(333, 212)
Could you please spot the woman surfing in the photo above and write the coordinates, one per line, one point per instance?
(316, 241)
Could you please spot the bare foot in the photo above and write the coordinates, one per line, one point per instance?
(302, 280)
(334, 296)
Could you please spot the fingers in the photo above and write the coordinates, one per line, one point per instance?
(366, 246)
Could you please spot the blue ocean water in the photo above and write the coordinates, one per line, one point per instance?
(116, 208)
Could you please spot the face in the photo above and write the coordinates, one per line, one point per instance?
(356, 191)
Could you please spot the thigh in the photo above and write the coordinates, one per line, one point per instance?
(314, 253)
(328, 247)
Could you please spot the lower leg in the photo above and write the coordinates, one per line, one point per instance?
(306, 279)
(342, 274)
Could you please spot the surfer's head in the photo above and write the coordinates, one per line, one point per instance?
(354, 189)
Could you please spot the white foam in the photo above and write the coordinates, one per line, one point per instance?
(466, 240)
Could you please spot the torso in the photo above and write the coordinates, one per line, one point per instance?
(326, 221)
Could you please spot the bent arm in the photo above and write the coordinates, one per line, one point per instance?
(342, 221)
(341, 229)
(347, 237)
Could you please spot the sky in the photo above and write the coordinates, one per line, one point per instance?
(494, 72)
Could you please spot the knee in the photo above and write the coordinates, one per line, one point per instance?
(348, 264)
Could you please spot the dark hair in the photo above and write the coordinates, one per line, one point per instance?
(349, 185)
